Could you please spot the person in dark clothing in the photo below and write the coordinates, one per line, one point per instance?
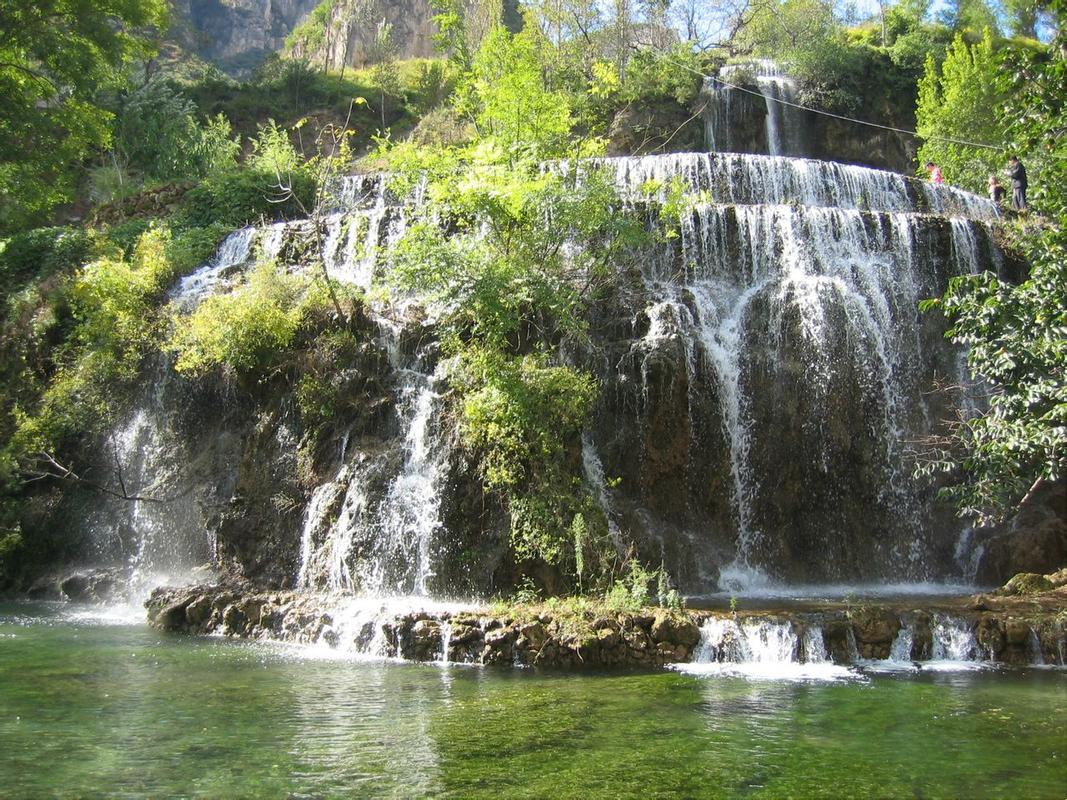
(1017, 173)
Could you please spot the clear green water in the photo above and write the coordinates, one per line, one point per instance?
(91, 710)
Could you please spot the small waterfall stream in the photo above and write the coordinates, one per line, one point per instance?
(783, 127)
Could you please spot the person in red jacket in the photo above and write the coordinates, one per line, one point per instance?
(935, 172)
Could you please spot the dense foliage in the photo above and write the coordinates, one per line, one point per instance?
(53, 57)
(1017, 334)
(958, 104)
(492, 255)
(1017, 340)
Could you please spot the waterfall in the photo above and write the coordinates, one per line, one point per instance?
(594, 476)
(232, 254)
(786, 303)
(410, 512)
(1033, 645)
(154, 522)
(901, 648)
(762, 648)
(446, 640)
(953, 640)
(743, 179)
(782, 123)
(378, 540)
(789, 272)
(802, 266)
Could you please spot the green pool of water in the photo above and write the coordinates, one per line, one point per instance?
(111, 710)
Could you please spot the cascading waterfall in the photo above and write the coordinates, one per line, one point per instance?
(783, 126)
(953, 640)
(811, 264)
(594, 476)
(152, 520)
(744, 179)
(233, 253)
(763, 649)
(410, 513)
(396, 529)
(791, 282)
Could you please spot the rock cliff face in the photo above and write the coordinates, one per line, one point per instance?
(238, 34)
(353, 27)
(761, 373)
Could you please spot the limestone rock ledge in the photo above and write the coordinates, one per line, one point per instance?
(479, 636)
(1008, 630)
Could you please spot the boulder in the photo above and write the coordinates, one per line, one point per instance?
(667, 627)
(1026, 583)
(169, 617)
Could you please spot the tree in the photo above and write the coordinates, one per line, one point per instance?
(969, 15)
(382, 54)
(53, 57)
(959, 101)
(1017, 334)
(511, 104)
(1035, 119)
(778, 28)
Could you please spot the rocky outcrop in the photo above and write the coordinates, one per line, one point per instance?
(655, 126)
(353, 30)
(148, 204)
(80, 585)
(353, 27)
(1035, 540)
(588, 636)
(238, 34)
(520, 636)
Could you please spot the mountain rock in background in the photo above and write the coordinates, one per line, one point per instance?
(237, 35)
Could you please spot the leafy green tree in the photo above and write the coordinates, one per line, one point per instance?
(969, 15)
(777, 28)
(1035, 119)
(54, 55)
(1017, 340)
(1017, 334)
(960, 101)
(509, 101)
(157, 133)
(509, 256)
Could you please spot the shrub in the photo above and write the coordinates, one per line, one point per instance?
(245, 196)
(250, 329)
(674, 74)
(42, 251)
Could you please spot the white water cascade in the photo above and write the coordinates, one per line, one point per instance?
(786, 285)
(809, 273)
(759, 649)
(783, 126)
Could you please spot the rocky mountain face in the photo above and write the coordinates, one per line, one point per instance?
(353, 28)
(238, 34)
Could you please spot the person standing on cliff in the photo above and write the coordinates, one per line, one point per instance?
(996, 191)
(935, 172)
(1017, 173)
